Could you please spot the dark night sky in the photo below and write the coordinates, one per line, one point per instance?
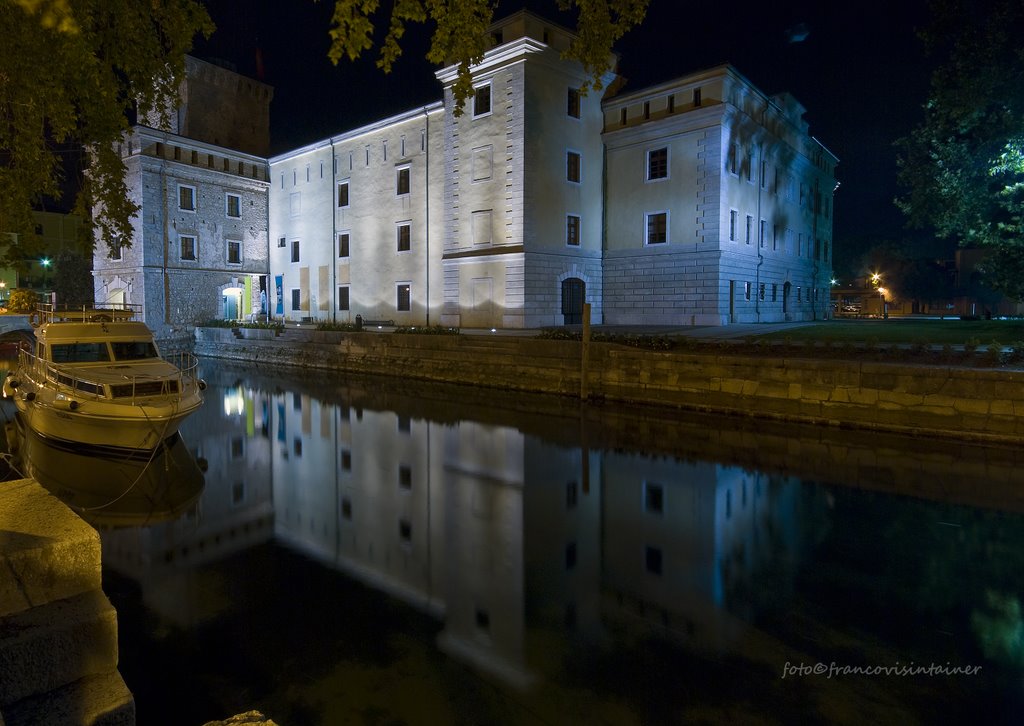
(860, 72)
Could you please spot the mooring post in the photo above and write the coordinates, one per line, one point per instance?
(585, 353)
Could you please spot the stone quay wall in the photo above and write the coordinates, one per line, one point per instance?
(962, 403)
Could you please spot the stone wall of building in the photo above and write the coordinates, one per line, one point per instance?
(966, 403)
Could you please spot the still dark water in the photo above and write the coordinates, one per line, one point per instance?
(369, 552)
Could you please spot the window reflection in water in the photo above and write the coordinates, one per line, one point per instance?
(509, 538)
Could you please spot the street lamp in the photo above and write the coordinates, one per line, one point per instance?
(885, 308)
(45, 262)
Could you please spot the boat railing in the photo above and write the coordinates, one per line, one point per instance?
(104, 313)
(140, 386)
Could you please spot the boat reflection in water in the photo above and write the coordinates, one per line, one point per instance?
(111, 489)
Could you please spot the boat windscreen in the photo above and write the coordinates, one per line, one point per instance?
(79, 353)
(134, 350)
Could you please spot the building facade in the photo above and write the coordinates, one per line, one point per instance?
(700, 201)
(199, 248)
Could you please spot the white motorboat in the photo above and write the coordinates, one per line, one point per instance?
(95, 377)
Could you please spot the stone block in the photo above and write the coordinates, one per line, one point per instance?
(47, 553)
(99, 700)
(53, 645)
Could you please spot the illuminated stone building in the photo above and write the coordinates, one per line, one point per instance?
(699, 201)
(199, 248)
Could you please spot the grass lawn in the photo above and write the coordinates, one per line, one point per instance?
(897, 330)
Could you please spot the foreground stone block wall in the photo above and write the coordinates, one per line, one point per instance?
(58, 631)
(982, 404)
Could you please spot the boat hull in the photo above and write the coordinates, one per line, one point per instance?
(98, 424)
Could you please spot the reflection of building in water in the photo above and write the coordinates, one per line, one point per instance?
(352, 488)
(507, 538)
(484, 581)
(685, 542)
(235, 512)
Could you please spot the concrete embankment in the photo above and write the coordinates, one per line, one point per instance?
(963, 403)
(58, 631)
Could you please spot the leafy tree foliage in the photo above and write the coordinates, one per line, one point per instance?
(22, 301)
(461, 37)
(963, 166)
(72, 279)
(71, 73)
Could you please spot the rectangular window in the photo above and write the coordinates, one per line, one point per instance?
(750, 228)
(654, 498)
(652, 560)
(404, 235)
(186, 198)
(775, 292)
(343, 297)
(115, 252)
(343, 244)
(234, 252)
(731, 161)
(572, 166)
(295, 250)
(404, 297)
(760, 291)
(622, 117)
(696, 96)
(657, 228)
(234, 206)
(761, 229)
(188, 248)
(282, 242)
(671, 104)
(746, 291)
(657, 164)
(343, 194)
(404, 476)
(573, 105)
(482, 100)
(733, 219)
(572, 230)
(296, 299)
(402, 181)
(647, 109)
(798, 295)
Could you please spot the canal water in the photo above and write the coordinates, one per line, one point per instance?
(332, 550)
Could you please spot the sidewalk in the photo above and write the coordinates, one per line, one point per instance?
(713, 332)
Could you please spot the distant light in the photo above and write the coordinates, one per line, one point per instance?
(494, 330)
(45, 262)
(835, 281)
(380, 327)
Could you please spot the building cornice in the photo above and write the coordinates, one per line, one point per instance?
(495, 59)
(375, 127)
(166, 137)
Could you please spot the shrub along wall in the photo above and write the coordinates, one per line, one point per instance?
(952, 401)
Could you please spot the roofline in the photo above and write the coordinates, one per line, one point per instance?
(359, 131)
(159, 134)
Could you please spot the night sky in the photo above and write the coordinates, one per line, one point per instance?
(859, 70)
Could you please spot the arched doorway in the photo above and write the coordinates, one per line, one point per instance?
(574, 292)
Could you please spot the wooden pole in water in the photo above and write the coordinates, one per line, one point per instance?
(585, 353)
